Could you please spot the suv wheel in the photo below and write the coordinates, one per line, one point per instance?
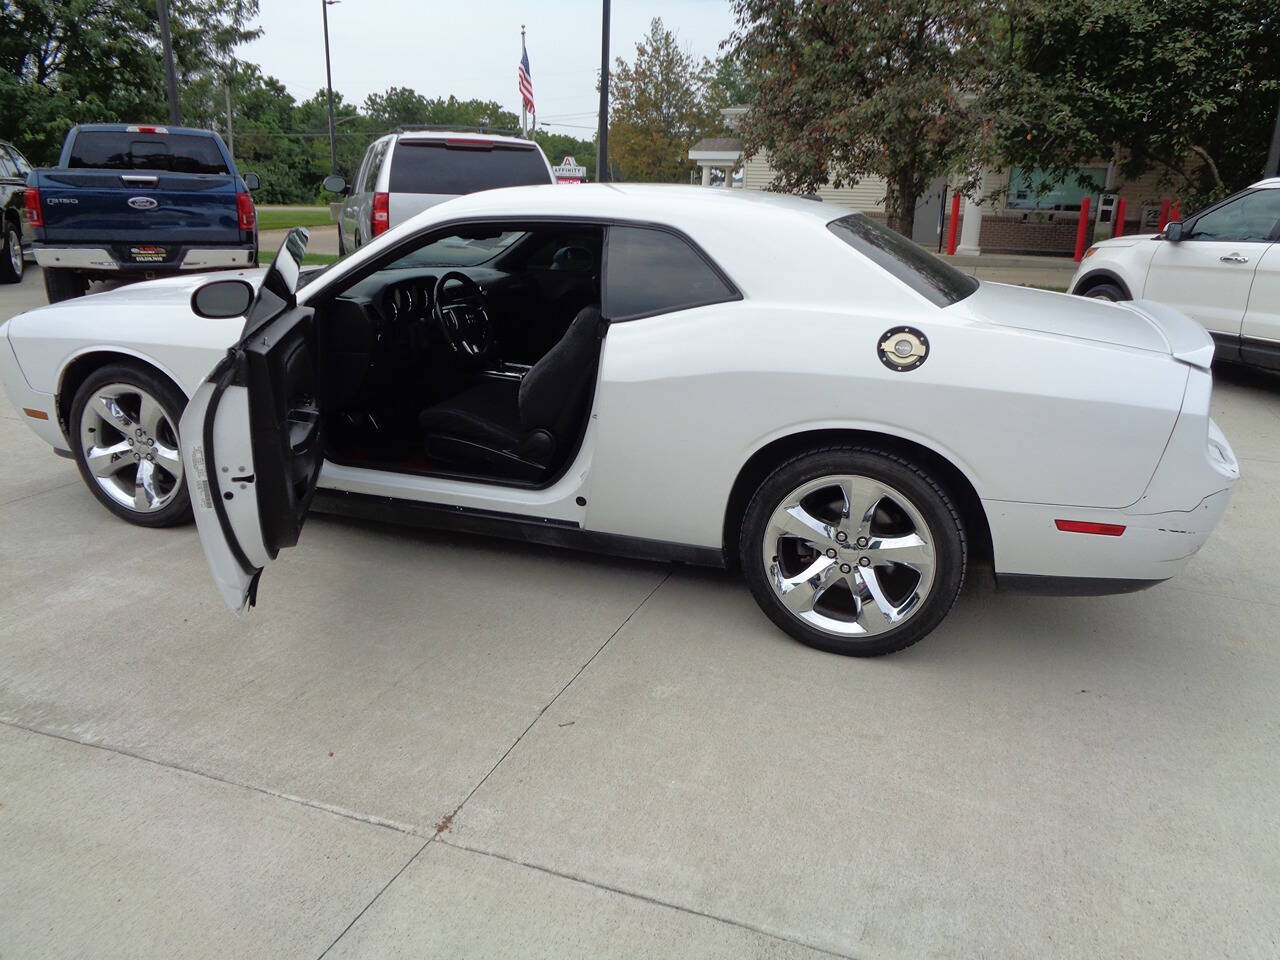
(124, 435)
(1106, 291)
(12, 265)
(853, 550)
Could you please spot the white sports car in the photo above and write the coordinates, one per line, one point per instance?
(699, 375)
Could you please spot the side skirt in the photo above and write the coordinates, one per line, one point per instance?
(556, 533)
(1042, 586)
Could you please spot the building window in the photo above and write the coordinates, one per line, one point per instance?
(1025, 185)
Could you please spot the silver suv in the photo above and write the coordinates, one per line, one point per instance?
(405, 172)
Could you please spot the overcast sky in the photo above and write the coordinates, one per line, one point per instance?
(470, 48)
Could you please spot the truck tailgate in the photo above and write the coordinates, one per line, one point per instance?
(109, 206)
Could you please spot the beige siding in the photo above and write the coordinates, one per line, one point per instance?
(867, 195)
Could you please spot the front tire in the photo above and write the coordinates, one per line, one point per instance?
(853, 550)
(1106, 291)
(63, 284)
(124, 436)
(12, 266)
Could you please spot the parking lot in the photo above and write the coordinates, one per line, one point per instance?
(429, 744)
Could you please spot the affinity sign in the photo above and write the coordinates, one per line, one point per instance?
(568, 171)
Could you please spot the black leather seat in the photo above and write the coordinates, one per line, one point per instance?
(519, 428)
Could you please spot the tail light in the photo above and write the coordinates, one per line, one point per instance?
(32, 201)
(380, 219)
(244, 210)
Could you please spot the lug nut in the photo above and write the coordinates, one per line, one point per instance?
(151, 458)
(862, 541)
(842, 536)
(831, 553)
(845, 568)
(865, 561)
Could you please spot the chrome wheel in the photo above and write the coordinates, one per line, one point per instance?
(15, 251)
(849, 555)
(129, 446)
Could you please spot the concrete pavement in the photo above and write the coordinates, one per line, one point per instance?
(426, 744)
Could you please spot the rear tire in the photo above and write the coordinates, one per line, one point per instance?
(875, 561)
(139, 416)
(63, 284)
(1106, 291)
(12, 265)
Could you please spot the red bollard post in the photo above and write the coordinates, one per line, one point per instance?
(954, 226)
(1121, 204)
(1164, 215)
(1082, 231)
(1175, 212)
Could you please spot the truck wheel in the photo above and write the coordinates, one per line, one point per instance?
(63, 284)
(11, 263)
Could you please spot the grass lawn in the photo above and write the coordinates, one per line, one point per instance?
(310, 259)
(283, 219)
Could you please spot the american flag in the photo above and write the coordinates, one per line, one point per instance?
(526, 81)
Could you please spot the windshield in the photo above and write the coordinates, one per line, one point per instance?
(456, 251)
(924, 273)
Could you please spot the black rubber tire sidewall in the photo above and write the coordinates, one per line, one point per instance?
(178, 510)
(7, 273)
(62, 284)
(1106, 291)
(929, 497)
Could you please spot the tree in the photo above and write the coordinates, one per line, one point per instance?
(557, 146)
(661, 105)
(1186, 87)
(846, 90)
(401, 106)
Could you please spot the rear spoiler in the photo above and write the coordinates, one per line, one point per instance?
(1186, 339)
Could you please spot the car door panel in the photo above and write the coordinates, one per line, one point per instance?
(1194, 277)
(1260, 333)
(252, 436)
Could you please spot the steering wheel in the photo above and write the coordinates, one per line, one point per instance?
(461, 315)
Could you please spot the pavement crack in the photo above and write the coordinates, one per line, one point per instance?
(329, 808)
(383, 889)
(446, 822)
(634, 895)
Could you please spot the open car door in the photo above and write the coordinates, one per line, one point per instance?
(252, 437)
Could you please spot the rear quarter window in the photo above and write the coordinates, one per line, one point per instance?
(432, 166)
(171, 152)
(650, 271)
(939, 282)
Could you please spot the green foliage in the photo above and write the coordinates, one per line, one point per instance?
(557, 146)
(1187, 87)
(846, 90)
(662, 103)
(400, 106)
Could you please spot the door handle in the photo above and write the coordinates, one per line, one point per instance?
(139, 180)
(1234, 258)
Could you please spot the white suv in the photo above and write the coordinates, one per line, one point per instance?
(1220, 266)
(405, 172)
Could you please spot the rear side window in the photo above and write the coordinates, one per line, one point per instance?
(432, 166)
(941, 283)
(650, 271)
(171, 152)
(20, 162)
(7, 167)
(374, 164)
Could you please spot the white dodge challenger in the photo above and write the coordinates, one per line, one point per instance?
(707, 376)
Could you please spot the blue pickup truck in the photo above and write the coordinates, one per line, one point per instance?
(132, 202)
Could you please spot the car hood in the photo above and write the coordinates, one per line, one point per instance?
(168, 289)
(1139, 325)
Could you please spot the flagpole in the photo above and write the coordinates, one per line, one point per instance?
(524, 126)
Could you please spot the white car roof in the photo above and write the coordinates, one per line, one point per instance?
(1271, 183)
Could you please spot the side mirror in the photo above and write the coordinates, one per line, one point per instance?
(335, 184)
(1173, 231)
(221, 299)
(251, 181)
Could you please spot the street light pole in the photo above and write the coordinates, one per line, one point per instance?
(602, 137)
(170, 80)
(328, 80)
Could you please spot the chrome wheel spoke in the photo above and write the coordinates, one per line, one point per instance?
(107, 461)
(909, 550)
(801, 592)
(168, 459)
(150, 414)
(876, 613)
(145, 494)
(108, 408)
(861, 497)
(796, 521)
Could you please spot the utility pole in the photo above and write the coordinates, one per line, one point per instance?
(328, 80)
(166, 42)
(602, 141)
(231, 137)
(1272, 168)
